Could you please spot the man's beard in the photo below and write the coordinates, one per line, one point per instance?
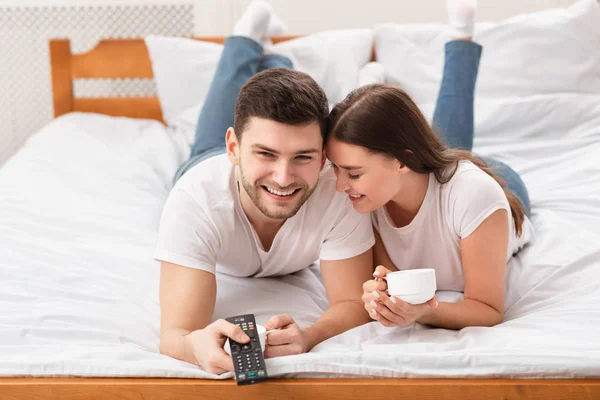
(253, 193)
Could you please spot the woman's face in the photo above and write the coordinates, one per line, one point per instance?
(370, 180)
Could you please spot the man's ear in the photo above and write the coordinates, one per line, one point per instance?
(232, 145)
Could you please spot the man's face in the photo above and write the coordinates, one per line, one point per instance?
(279, 164)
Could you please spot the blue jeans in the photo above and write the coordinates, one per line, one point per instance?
(453, 118)
(241, 59)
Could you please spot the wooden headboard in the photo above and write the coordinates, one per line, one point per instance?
(111, 58)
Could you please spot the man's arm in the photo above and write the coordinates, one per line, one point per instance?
(343, 280)
(187, 302)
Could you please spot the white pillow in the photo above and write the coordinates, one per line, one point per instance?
(184, 68)
(332, 58)
(539, 72)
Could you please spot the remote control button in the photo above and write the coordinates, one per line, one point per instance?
(261, 373)
(241, 376)
(251, 374)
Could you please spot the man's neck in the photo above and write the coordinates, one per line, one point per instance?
(266, 228)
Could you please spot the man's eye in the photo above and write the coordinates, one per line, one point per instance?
(304, 158)
(265, 154)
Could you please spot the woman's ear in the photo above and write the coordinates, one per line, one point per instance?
(402, 167)
(232, 145)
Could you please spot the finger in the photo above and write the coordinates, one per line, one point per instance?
(397, 305)
(396, 319)
(378, 294)
(366, 297)
(381, 319)
(369, 309)
(372, 285)
(283, 350)
(218, 362)
(369, 286)
(226, 328)
(381, 271)
(279, 321)
(283, 336)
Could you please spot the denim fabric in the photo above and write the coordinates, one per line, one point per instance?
(453, 119)
(241, 59)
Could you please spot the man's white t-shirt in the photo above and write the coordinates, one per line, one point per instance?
(203, 226)
(450, 212)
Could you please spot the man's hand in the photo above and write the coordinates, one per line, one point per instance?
(206, 345)
(288, 338)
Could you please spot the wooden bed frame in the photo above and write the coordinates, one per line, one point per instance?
(128, 58)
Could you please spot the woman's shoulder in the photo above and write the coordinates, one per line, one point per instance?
(469, 178)
(469, 194)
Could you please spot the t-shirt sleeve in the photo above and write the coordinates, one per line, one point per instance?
(474, 196)
(186, 234)
(350, 236)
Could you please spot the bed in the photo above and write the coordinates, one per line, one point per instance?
(79, 209)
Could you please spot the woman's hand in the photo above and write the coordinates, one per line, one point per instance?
(391, 311)
(375, 284)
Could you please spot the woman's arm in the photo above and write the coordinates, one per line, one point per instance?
(483, 255)
(380, 254)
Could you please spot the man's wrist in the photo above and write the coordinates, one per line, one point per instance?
(188, 349)
(312, 338)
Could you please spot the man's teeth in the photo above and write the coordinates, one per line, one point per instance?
(278, 193)
(356, 196)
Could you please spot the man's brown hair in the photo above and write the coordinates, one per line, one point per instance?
(282, 95)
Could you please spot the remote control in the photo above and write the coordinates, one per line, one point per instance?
(247, 358)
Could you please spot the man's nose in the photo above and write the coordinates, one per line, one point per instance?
(283, 174)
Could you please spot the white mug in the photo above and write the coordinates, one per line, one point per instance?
(415, 286)
(262, 337)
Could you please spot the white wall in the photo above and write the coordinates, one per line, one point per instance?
(25, 94)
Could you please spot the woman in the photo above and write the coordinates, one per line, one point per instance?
(434, 203)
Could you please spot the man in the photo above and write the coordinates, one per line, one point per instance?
(266, 207)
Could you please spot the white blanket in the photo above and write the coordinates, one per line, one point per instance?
(79, 209)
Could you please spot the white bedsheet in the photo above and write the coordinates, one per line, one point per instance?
(79, 208)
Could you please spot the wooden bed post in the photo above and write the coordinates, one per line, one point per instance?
(62, 83)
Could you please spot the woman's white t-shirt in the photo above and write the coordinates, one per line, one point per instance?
(203, 226)
(450, 212)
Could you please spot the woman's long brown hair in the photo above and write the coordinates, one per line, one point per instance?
(384, 119)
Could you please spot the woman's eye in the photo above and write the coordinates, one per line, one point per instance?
(353, 176)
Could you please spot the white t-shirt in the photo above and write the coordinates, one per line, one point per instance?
(203, 226)
(450, 212)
